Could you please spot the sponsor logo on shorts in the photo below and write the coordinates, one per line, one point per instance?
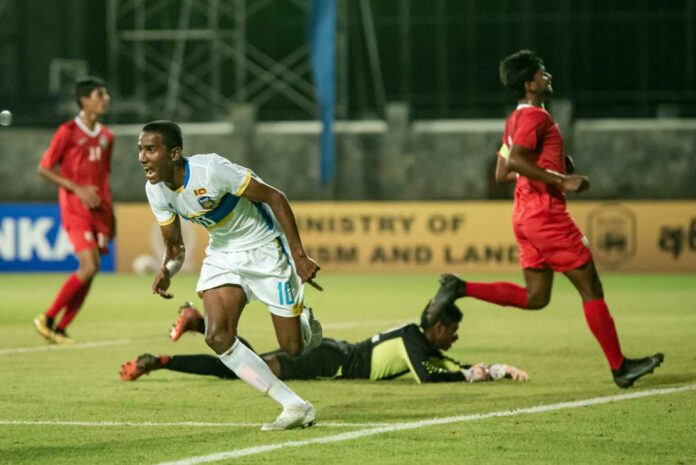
(612, 233)
(200, 191)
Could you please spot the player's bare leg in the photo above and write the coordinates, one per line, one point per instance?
(539, 283)
(288, 333)
(299, 333)
(586, 281)
(89, 260)
(625, 371)
(223, 307)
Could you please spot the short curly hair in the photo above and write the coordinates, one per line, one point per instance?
(445, 314)
(169, 130)
(517, 69)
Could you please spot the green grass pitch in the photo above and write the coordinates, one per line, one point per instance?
(64, 386)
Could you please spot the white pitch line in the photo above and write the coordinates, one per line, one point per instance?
(149, 424)
(424, 423)
(96, 344)
(82, 345)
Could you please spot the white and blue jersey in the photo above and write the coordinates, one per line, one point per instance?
(212, 197)
(245, 247)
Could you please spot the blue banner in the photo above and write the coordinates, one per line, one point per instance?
(322, 37)
(32, 239)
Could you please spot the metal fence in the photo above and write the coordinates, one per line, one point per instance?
(192, 59)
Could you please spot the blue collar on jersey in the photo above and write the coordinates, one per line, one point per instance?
(187, 172)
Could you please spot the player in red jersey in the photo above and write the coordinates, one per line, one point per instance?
(78, 161)
(548, 239)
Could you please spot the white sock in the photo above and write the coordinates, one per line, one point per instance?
(251, 369)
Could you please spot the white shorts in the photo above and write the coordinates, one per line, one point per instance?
(265, 273)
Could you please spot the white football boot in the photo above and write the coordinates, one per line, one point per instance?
(293, 416)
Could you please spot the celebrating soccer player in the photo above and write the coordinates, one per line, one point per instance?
(254, 252)
(78, 161)
(548, 239)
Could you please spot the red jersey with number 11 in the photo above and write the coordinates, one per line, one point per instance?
(532, 128)
(84, 157)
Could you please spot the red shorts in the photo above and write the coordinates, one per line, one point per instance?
(88, 232)
(550, 239)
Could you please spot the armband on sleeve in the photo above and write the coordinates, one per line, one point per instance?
(504, 151)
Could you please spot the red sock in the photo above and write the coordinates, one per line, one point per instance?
(70, 288)
(74, 305)
(602, 326)
(501, 293)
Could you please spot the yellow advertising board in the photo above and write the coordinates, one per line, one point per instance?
(444, 236)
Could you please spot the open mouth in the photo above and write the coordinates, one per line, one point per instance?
(149, 172)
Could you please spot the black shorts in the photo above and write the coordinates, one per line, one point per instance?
(326, 361)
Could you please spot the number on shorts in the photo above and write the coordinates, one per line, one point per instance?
(285, 296)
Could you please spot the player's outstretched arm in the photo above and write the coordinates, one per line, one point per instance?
(499, 371)
(174, 254)
(257, 191)
(516, 374)
(482, 372)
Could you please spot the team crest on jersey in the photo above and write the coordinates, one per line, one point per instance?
(103, 141)
(206, 202)
(200, 191)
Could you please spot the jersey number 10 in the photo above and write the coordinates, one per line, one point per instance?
(95, 153)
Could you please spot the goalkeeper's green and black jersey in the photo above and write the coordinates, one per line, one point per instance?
(386, 355)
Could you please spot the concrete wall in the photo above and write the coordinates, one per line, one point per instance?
(637, 159)
(395, 159)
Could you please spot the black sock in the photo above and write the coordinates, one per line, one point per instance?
(49, 322)
(200, 365)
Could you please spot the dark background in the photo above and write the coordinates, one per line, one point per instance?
(609, 58)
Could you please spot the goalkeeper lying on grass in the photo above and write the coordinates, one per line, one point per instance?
(409, 349)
